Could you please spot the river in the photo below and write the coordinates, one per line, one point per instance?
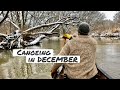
(108, 58)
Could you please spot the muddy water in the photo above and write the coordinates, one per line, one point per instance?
(17, 68)
(108, 58)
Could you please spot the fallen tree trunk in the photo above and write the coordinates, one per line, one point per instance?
(43, 25)
(4, 35)
(36, 41)
(16, 39)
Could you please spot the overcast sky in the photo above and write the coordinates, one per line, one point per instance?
(109, 14)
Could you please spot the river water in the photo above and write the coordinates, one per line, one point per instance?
(108, 58)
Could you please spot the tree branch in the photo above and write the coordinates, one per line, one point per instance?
(50, 24)
(14, 24)
(43, 25)
(1, 34)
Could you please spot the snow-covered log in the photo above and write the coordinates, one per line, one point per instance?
(43, 25)
(58, 23)
(15, 39)
(37, 40)
(4, 35)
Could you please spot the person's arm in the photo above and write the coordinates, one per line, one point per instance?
(55, 67)
(65, 51)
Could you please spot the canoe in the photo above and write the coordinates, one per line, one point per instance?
(102, 74)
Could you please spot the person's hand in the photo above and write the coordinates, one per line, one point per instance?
(53, 73)
(67, 36)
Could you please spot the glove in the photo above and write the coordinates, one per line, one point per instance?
(67, 36)
(53, 74)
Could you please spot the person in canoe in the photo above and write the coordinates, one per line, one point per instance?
(84, 46)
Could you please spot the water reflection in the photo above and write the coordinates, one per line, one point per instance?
(17, 68)
(108, 55)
